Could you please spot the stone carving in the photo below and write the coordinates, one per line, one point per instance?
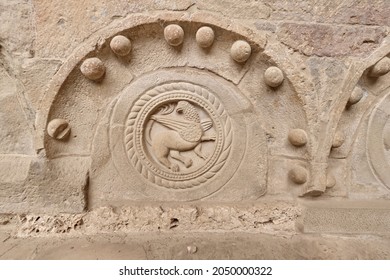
(378, 140)
(382, 67)
(330, 181)
(184, 134)
(298, 175)
(273, 76)
(120, 45)
(205, 37)
(93, 68)
(178, 135)
(297, 137)
(174, 35)
(338, 139)
(356, 96)
(58, 129)
(240, 51)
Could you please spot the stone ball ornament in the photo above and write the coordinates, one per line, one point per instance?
(93, 68)
(205, 37)
(240, 51)
(338, 139)
(356, 95)
(273, 76)
(382, 67)
(120, 45)
(298, 175)
(330, 181)
(58, 129)
(297, 137)
(174, 35)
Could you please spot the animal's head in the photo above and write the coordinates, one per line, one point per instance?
(181, 106)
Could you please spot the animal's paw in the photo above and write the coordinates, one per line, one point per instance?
(204, 156)
(175, 168)
(188, 162)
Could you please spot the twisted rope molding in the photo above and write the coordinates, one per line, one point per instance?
(177, 91)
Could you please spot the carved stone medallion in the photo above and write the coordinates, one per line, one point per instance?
(378, 141)
(178, 135)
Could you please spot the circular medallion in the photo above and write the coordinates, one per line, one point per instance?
(177, 135)
(378, 141)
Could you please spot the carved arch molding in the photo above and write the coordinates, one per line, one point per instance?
(178, 110)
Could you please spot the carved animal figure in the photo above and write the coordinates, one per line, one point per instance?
(184, 134)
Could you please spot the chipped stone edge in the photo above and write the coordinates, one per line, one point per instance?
(275, 217)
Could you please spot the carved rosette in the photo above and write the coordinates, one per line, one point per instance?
(178, 135)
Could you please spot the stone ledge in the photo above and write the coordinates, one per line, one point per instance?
(353, 217)
(190, 245)
(271, 218)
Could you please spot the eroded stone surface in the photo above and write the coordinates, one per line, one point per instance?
(196, 110)
(345, 40)
(209, 246)
(164, 218)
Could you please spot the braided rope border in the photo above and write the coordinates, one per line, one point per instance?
(133, 143)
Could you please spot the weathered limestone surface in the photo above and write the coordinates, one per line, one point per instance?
(269, 117)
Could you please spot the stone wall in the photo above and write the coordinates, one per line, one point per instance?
(264, 116)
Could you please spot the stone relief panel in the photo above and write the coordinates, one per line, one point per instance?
(183, 111)
(378, 141)
(178, 135)
(359, 158)
(182, 138)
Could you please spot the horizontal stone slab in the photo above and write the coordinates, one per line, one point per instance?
(272, 217)
(355, 217)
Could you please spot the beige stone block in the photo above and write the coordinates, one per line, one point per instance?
(59, 185)
(14, 169)
(352, 12)
(333, 41)
(359, 217)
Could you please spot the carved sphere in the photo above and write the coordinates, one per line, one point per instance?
(205, 37)
(382, 67)
(120, 45)
(297, 137)
(192, 249)
(93, 68)
(174, 34)
(58, 129)
(240, 51)
(356, 96)
(338, 139)
(273, 76)
(330, 181)
(298, 175)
